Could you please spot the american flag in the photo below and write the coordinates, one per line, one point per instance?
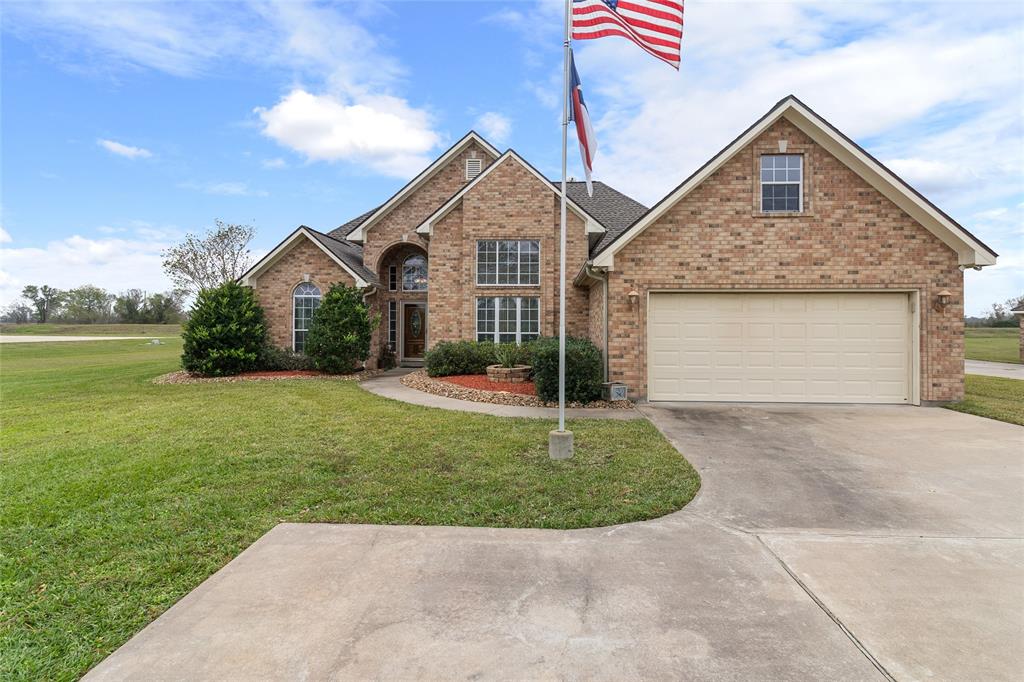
(654, 25)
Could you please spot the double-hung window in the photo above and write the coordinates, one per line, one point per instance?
(508, 262)
(782, 183)
(507, 319)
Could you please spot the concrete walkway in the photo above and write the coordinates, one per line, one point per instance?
(389, 385)
(839, 543)
(1007, 370)
(26, 338)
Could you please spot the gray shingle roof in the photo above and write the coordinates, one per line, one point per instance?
(610, 207)
(347, 252)
(343, 230)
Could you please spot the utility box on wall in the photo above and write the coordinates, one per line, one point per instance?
(614, 390)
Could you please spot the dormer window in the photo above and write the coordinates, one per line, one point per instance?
(782, 181)
(473, 168)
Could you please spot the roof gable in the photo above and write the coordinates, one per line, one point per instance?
(347, 255)
(365, 222)
(970, 251)
(593, 225)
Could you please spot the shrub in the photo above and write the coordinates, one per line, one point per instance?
(583, 369)
(459, 357)
(339, 333)
(225, 333)
(276, 359)
(509, 354)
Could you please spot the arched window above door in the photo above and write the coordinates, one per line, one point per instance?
(414, 273)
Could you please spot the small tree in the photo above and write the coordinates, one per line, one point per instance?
(18, 313)
(163, 308)
(225, 333)
(340, 331)
(206, 262)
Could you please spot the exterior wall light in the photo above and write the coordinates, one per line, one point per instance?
(634, 296)
(942, 299)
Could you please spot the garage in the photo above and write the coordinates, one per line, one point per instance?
(807, 347)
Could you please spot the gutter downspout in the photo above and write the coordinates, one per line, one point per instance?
(601, 275)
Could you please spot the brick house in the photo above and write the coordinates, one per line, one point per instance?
(791, 267)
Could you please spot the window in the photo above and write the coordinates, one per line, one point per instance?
(507, 319)
(305, 299)
(473, 168)
(393, 278)
(393, 325)
(414, 274)
(508, 262)
(781, 182)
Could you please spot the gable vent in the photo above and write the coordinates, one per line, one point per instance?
(473, 168)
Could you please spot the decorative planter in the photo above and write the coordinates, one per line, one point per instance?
(509, 375)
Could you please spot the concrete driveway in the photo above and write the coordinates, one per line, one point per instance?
(1006, 370)
(826, 543)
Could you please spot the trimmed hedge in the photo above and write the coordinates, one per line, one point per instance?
(339, 333)
(584, 369)
(226, 332)
(459, 357)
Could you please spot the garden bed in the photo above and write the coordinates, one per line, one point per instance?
(481, 382)
(455, 387)
(183, 377)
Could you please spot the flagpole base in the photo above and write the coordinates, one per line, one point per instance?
(560, 444)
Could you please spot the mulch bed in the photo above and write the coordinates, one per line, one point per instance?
(183, 377)
(452, 387)
(480, 382)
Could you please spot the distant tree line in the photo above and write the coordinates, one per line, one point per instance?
(998, 316)
(196, 264)
(90, 304)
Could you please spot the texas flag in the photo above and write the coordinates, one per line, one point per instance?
(578, 113)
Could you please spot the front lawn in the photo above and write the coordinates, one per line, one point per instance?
(119, 496)
(54, 329)
(993, 397)
(995, 344)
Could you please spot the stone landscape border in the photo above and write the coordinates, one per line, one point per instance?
(183, 377)
(421, 382)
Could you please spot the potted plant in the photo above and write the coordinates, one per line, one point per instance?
(509, 369)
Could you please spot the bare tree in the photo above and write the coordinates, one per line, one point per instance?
(204, 262)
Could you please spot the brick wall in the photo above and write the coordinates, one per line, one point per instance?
(275, 286)
(510, 203)
(849, 236)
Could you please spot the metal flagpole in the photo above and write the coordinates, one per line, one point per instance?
(560, 442)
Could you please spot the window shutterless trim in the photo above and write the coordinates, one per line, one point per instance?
(782, 183)
(518, 262)
(496, 332)
(315, 303)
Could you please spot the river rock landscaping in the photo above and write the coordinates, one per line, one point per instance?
(463, 387)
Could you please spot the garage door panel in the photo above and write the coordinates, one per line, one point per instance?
(792, 347)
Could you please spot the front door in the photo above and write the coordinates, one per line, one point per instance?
(414, 331)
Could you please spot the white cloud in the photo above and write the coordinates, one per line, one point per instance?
(124, 149)
(5, 236)
(112, 263)
(274, 164)
(225, 189)
(494, 126)
(381, 131)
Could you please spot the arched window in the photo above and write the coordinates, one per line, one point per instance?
(305, 299)
(414, 273)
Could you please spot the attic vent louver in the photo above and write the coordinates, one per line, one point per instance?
(473, 168)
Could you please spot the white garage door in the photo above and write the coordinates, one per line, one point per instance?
(789, 347)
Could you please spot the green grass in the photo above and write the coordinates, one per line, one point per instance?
(118, 497)
(995, 344)
(50, 329)
(993, 397)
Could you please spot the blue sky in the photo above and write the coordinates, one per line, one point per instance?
(125, 125)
